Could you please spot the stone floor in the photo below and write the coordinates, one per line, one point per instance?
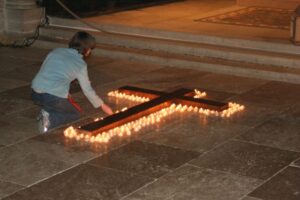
(174, 17)
(254, 155)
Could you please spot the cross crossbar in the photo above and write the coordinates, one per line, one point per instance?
(158, 100)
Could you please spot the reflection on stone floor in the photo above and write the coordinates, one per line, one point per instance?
(188, 156)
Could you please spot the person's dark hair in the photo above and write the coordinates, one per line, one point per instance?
(82, 41)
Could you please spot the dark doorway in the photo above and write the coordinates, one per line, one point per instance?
(88, 8)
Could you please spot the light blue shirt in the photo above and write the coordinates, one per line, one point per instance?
(59, 69)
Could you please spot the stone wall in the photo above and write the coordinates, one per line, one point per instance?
(287, 4)
(20, 17)
(1, 16)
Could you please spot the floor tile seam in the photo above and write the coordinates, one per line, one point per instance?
(32, 105)
(130, 77)
(53, 175)
(27, 59)
(243, 92)
(12, 182)
(202, 169)
(27, 138)
(129, 143)
(98, 155)
(11, 193)
(7, 78)
(294, 165)
(226, 172)
(44, 179)
(18, 111)
(242, 175)
(257, 87)
(155, 180)
(119, 170)
(208, 151)
(169, 146)
(264, 145)
(133, 75)
(4, 91)
(265, 181)
(165, 145)
(249, 128)
(19, 142)
(144, 186)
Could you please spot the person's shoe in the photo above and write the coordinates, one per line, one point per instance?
(43, 121)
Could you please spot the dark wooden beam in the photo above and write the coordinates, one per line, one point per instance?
(186, 99)
(134, 113)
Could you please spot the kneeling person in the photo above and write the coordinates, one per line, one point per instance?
(50, 87)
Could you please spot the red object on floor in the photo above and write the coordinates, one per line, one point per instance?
(73, 102)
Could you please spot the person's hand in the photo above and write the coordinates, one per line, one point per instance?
(107, 109)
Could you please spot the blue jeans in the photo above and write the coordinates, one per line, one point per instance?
(60, 110)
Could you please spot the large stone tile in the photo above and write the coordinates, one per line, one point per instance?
(31, 54)
(194, 132)
(7, 188)
(227, 83)
(189, 182)
(17, 128)
(118, 70)
(84, 182)
(8, 84)
(9, 63)
(10, 105)
(23, 92)
(145, 159)
(125, 68)
(246, 159)
(284, 185)
(24, 72)
(166, 78)
(30, 113)
(32, 161)
(253, 115)
(279, 132)
(273, 93)
(97, 61)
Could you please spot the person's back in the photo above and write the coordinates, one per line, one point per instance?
(50, 87)
(59, 69)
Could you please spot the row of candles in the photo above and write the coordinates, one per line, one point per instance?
(126, 129)
(121, 95)
(153, 118)
(131, 97)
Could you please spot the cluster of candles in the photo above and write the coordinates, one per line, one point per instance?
(126, 129)
(130, 97)
(232, 108)
(153, 118)
(199, 94)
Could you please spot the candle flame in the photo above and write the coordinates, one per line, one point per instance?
(132, 97)
(153, 118)
(199, 94)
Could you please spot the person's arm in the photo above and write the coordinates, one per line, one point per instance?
(89, 92)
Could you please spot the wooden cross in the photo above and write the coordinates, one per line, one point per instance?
(157, 101)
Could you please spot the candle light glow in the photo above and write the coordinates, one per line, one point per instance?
(153, 118)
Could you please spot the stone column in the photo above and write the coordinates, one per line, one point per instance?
(21, 17)
(1, 16)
